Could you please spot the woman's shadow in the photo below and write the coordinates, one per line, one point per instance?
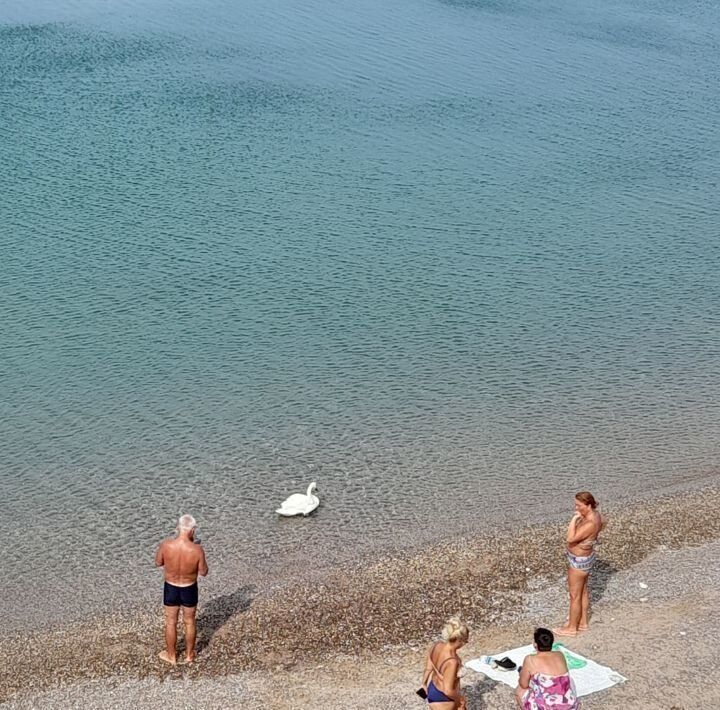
(601, 575)
(218, 611)
(475, 693)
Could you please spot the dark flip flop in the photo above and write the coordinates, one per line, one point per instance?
(506, 664)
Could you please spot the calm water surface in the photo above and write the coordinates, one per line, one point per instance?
(440, 256)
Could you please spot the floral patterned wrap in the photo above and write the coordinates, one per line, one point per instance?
(550, 692)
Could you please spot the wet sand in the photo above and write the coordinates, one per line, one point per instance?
(355, 638)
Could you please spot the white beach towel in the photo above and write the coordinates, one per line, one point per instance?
(588, 676)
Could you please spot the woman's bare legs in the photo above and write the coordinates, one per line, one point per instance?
(577, 581)
(584, 622)
(442, 706)
(454, 705)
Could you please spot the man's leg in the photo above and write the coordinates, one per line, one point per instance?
(171, 619)
(190, 632)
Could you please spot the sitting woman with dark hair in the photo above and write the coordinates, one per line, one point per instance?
(545, 682)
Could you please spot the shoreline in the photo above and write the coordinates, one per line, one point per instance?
(128, 581)
(399, 602)
(42, 604)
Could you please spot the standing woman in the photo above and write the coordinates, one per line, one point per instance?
(441, 679)
(582, 536)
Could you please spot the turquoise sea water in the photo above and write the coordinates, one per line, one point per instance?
(451, 259)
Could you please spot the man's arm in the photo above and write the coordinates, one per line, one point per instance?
(159, 556)
(202, 565)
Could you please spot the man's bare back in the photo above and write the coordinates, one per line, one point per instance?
(183, 560)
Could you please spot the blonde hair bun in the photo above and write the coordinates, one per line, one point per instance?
(455, 630)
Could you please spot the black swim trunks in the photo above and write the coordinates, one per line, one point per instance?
(180, 596)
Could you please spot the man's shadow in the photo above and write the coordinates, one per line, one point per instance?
(218, 611)
(601, 575)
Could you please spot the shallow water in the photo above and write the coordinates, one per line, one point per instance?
(452, 260)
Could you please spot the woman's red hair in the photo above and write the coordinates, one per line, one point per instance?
(587, 498)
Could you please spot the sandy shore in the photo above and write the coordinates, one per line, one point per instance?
(356, 639)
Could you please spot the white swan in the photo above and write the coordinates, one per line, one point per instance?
(299, 504)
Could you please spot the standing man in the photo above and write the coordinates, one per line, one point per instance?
(183, 560)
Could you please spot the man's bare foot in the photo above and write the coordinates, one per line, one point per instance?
(565, 631)
(165, 656)
(583, 628)
(190, 658)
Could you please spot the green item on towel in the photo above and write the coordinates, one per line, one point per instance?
(573, 662)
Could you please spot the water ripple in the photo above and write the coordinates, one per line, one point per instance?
(419, 253)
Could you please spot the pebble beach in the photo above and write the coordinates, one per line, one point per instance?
(354, 638)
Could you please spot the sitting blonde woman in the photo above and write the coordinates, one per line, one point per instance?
(441, 680)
